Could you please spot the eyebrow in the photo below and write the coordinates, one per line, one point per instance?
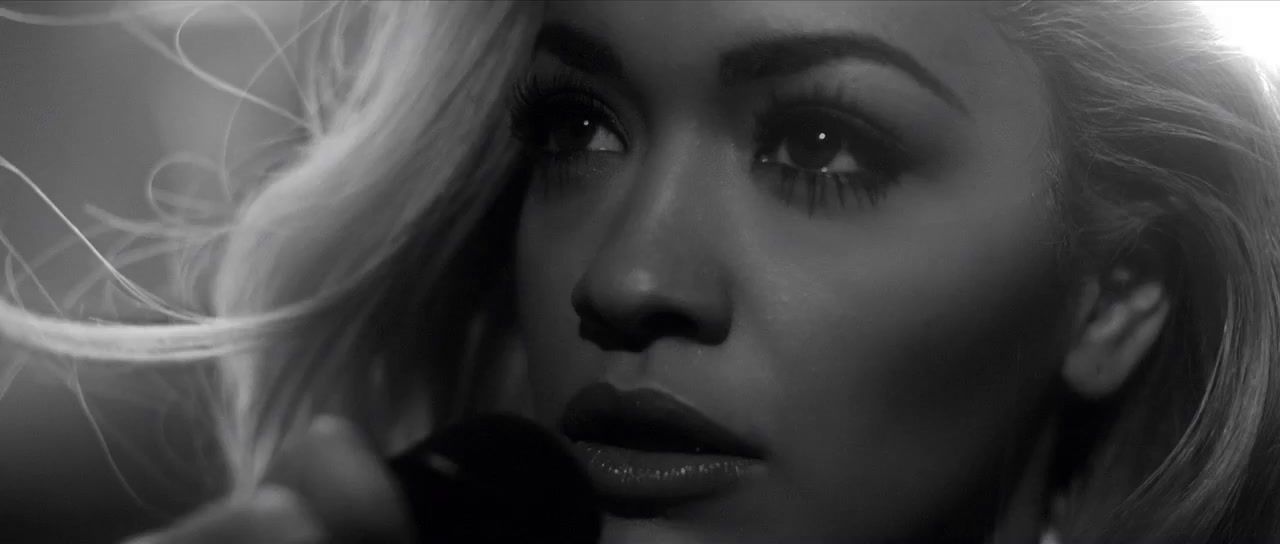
(772, 57)
(786, 55)
(579, 50)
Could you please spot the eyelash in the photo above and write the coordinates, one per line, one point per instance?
(533, 97)
(535, 101)
(880, 158)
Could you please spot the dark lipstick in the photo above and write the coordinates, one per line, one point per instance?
(645, 447)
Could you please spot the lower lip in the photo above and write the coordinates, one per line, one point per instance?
(635, 475)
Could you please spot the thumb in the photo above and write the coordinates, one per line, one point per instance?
(344, 483)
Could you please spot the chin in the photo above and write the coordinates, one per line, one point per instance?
(635, 531)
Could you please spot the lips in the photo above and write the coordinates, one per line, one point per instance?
(646, 449)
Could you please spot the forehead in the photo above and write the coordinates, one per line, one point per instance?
(956, 41)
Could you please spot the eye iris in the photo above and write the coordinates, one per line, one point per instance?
(572, 134)
(812, 146)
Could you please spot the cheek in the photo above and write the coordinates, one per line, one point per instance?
(914, 339)
(552, 251)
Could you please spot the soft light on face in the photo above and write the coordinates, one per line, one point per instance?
(848, 263)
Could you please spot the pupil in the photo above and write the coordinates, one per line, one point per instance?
(572, 134)
(812, 146)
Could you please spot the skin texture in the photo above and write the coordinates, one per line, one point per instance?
(897, 357)
(892, 359)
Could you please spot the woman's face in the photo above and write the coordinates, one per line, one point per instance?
(787, 269)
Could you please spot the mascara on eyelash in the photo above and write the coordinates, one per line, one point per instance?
(863, 189)
(877, 153)
(835, 98)
(537, 103)
(533, 93)
(880, 160)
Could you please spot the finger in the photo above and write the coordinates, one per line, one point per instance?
(344, 483)
(273, 515)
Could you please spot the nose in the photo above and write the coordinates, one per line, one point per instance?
(629, 309)
(655, 277)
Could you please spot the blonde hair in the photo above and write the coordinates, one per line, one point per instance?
(412, 156)
(345, 270)
(406, 148)
(1167, 154)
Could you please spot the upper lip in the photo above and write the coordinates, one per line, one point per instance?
(648, 420)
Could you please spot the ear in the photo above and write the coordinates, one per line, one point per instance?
(1118, 319)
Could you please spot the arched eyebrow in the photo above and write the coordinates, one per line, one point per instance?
(784, 55)
(579, 49)
(765, 58)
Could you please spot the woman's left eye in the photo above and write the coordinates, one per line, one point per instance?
(817, 145)
(831, 156)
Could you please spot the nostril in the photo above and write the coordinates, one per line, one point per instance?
(609, 338)
(667, 323)
(636, 334)
(596, 328)
(631, 315)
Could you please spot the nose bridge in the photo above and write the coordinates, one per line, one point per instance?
(665, 220)
(657, 272)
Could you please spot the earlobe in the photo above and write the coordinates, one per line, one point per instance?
(1116, 326)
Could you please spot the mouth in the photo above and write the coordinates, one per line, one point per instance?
(646, 451)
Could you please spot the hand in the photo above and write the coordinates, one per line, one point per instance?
(327, 487)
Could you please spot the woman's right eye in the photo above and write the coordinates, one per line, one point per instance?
(572, 135)
(565, 126)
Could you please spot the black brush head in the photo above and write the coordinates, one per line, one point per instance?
(497, 478)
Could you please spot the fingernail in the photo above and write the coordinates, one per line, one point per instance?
(1121, 276)
(1105, 326)
(272, 498)
(1147, 297)
(287, 513)
(327, 424)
